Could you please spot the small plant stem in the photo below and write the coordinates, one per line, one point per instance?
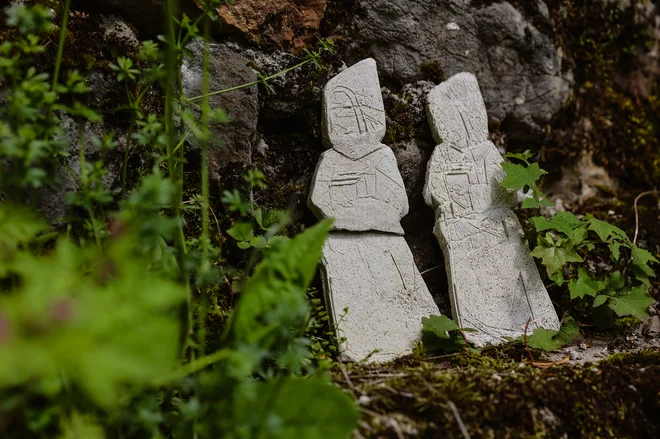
(60, 44)
(179, 238)
(127, 147)
(529, 352)
(83, 177)
(204, 142)
(250, 84)
(192, 367)
(643, 194)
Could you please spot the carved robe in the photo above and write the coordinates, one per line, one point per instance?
(495, 287)
(376, 295)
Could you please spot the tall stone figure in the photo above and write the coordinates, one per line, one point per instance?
(495, 287)
(376, 295)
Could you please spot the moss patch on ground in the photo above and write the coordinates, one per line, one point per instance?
(498, 395)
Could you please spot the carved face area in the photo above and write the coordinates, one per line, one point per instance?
(457, 113)
(353, 111)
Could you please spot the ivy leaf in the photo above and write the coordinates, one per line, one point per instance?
(524, 157)
(632, 304)
(564, 222)
(555, 257)
(241, 232)
(520, 177)
(439, 324)
(585, 285)
(440, 333)
(615, 282)
(530, 203)
(614, 247)
(641, 259)
(604, 229)
(549, 340)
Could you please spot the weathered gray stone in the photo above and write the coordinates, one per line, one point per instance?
(373, 276)
(494, 284)
(519, 68)
(233, 141)
(374, 291)
(361, 194)
(51, 200)
(353, 111)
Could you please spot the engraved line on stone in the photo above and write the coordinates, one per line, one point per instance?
(522, 281)
(403, 281)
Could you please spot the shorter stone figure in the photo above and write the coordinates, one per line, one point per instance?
(376, 295)
(495, 287)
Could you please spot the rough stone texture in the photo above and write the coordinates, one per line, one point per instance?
(51, 201)
(289, 24)
(234, 141)
(376, 295)
(353, 111)
(374, 276)
(494, 284)
(518, 67)
(361, 194)
(145, 15)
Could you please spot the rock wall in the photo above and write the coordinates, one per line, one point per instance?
(526, 56)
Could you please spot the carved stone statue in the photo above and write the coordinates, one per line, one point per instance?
(376, 295)
(495, 287)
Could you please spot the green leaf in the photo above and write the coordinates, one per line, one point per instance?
(599, 300)
(525, 156)
(520, 177)
(440, 333)
(305, 408)
(615, 251)
(634, 303)
(530, 203)
(266, 218)
(241, 232)
(584, 285)
(614, 282)
(555, 257)
(440, 325)
(549, 340)
(18, 226)
(564, 222)
(274, 298)
(604, 229)
(641, 259)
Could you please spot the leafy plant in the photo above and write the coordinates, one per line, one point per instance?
(549, 340)
(111, 339)
(564, 243)
(440, 333)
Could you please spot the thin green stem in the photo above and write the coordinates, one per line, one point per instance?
(127, 147)
(172, 165)
(192, 367)
(83, 178)
(250, 84)
(60, 44)
(204, 142)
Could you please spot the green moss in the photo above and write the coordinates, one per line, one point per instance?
(433, 71)
(504, 399)
(401, 126)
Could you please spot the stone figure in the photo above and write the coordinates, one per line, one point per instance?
(495, 287)
(368, 267)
